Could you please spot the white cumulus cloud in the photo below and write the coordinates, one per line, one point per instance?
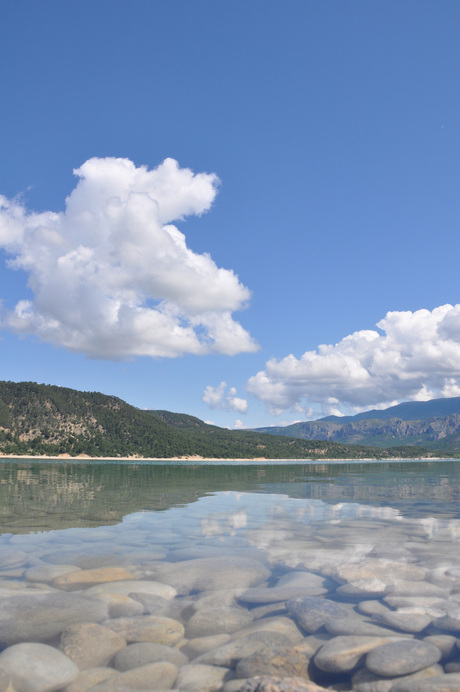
(218, 397)
(415, 356)
(113, 278)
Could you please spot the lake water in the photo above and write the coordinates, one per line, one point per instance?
(154, 576)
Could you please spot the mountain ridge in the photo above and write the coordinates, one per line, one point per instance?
(433, 424)
(408, 410)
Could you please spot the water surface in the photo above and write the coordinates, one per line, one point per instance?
(220, 534)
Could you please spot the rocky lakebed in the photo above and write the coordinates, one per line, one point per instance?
(368, 603)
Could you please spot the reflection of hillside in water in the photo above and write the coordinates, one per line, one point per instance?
(38, 496)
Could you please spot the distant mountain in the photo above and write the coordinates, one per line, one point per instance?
(432, 424)
(48, 420)
(409, 410)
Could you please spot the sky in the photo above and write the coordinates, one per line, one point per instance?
(244, 211)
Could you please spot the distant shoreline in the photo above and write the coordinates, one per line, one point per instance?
(197, 458)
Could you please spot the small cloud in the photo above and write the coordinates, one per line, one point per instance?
(218, 397)
(239, 425)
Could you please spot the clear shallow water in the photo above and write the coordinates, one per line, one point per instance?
(355, 534)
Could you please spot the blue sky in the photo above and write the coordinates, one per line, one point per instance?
(315, 196)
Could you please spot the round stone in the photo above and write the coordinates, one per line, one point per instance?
(121, 606)
(40, 617)
(312, 613)
(200, 645)
(141, 653)
(289, 661)
(201, 678)
(291, 585)
(206, 574)
(230, 653)
(90, 645)
(446, 643)
(342, 654)
(402, 657)
(357, 627)
(37, 667)
(218, 620)
(406, 621)
(280, 624)
(87, 679)
(385, 571)
(369, 588)
(148, 628)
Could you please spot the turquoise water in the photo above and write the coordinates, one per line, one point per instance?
(345, 523)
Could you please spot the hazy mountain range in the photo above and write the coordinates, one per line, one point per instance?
(432, 424)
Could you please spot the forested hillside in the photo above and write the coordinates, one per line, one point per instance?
(50, 420)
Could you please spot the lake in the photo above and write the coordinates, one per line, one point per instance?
(205, 576)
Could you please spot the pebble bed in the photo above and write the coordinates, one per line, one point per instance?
(309, 597)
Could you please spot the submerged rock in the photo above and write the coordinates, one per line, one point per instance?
(206, 574)
(37, 668)
(312, 613)
(357, 627)
(148, 628)
(90, 645)
(286, 661)
(343, 654)
(200, 645)
(87, 679)
(217, 620)
(291, 585)
(232, 652)
(141, 653)
(385, 571)
(406, 620)
(446, 643)
(201, 678)
(40, 617)
(279, 624)
(402, 657)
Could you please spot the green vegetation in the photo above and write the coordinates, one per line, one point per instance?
(48, 420)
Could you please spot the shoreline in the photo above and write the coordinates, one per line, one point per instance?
(197, 458)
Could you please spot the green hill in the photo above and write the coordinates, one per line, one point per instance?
(48, 420)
